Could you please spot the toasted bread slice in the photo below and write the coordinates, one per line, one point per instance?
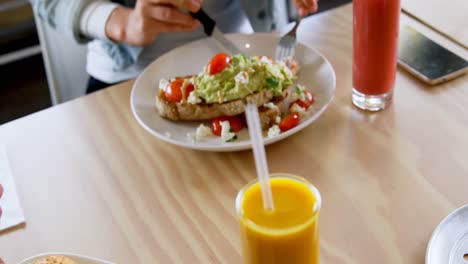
(200, 112)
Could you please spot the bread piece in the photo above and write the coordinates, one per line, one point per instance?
(267, 115)
(54, 260)
(197, 112)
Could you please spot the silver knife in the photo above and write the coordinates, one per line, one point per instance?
(212, 30)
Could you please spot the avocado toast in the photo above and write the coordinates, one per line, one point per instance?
(224, 88)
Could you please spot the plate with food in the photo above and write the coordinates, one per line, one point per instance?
(62, 258)
(195, 95)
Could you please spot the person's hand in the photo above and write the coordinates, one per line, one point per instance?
(140, 26)
(1, 193)
(305, 7)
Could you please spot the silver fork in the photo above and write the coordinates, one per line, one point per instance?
(287, 44)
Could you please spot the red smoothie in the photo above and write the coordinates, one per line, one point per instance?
(375, 38)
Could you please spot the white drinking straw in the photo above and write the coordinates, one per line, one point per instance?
(256, 138)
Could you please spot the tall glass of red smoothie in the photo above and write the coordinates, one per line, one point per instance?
(375, 37)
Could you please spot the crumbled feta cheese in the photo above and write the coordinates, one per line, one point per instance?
(298, 94)
(265, 59)
(278, 119)
(297, 108)
(242, 77)
(294, 96)
(286, 69)
(204, 71)
(272, 106)
(203, 132)
(193, 98)
(163, 83)
(168, 134)
(273, 131)
(226, 134)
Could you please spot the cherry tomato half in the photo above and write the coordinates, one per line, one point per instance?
(218, 63)
(174, 91)
(309, 100)
(289, 122)
(189, 89)
(235, 122)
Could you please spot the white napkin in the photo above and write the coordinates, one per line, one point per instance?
(12, 213)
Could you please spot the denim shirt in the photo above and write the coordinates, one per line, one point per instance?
(64, 17)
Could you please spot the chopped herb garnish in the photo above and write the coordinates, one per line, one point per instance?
(272, 82)
(234, 138)
(298, 90)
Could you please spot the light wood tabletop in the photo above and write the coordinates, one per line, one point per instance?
(92, 181)
(450, 20)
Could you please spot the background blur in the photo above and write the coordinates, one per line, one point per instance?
(25, 88)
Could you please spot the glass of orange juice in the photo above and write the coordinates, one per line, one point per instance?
(288, 234)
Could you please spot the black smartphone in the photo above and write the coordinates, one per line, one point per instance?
(427, 60)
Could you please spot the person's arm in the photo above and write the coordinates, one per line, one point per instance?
(63, 16)
(140, 26)
(124, 28)
(94, 17)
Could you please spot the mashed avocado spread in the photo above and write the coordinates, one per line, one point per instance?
(243, 77)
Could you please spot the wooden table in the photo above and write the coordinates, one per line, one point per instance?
(92, 181)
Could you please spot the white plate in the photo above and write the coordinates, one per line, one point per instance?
(316, 74)
(79, 259)
(449, 241)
